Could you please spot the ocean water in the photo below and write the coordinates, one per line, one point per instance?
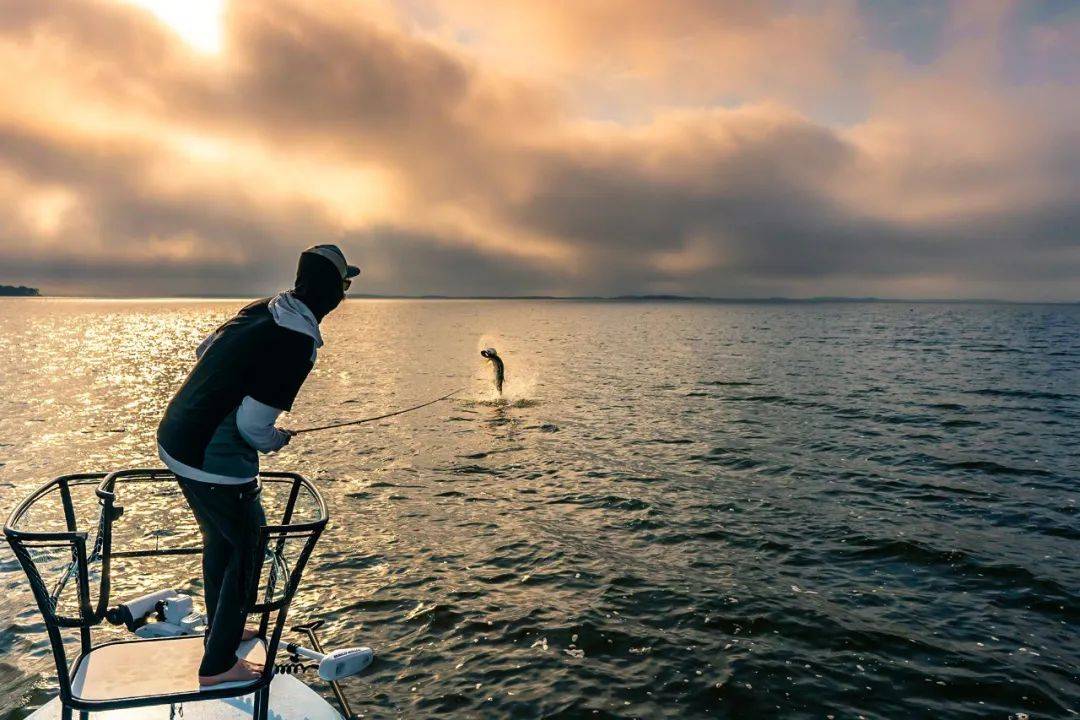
(680, 509)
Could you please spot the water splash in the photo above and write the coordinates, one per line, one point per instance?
(519, 380)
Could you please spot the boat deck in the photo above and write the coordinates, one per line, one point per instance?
(289, 699)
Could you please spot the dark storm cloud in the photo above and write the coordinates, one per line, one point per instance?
(392, 256)
(132, 162)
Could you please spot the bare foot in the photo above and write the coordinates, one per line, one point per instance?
(242, 671)
(250, 633)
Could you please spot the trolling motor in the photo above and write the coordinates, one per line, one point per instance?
(173, 614)
(336, 664)
(348, 661)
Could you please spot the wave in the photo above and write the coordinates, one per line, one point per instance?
(729, 383)
(922, 462)
(1027, 394)
(990, 467)
(960, 423)
(1021, 587)
(729, 458)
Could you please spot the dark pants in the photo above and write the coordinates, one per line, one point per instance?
(229, 518)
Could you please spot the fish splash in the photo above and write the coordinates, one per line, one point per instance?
(505, 388)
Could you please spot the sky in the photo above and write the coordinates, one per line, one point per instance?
(598, 147)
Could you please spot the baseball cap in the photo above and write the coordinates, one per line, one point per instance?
(333, 254)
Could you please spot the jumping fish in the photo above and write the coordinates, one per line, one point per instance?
(497, 365)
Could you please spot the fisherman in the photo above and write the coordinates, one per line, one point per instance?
(247, 373)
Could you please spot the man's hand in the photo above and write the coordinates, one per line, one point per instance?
(281, 439)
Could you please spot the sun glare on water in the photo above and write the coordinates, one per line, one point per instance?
(198, 22)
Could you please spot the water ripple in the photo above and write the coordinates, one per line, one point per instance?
(687, 510)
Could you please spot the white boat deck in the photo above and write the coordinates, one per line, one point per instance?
(146, 668)
(290, 699)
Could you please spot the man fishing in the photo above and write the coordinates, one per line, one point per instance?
(247, 373)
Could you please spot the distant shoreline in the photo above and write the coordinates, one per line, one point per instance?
(19, 291)
(589, 298)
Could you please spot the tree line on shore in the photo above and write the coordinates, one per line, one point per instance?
(19, 291)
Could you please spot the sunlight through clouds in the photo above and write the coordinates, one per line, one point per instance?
(604, 147)
(198, 22)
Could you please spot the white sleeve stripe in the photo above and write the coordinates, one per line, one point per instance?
(255, 421)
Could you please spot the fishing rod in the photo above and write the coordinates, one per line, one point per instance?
(377, 417)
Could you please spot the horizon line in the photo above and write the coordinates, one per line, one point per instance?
(661, 297)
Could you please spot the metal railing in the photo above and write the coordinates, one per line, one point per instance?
(270, 599)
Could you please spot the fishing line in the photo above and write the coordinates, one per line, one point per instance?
(377, 417)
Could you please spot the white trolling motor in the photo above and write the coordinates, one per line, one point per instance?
(174, 612)
(336, 664)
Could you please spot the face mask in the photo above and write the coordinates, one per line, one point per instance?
(319, 285)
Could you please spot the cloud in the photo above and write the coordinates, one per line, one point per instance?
(692, 147)
(622, 58)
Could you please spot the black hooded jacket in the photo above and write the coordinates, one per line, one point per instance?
(249, 355)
